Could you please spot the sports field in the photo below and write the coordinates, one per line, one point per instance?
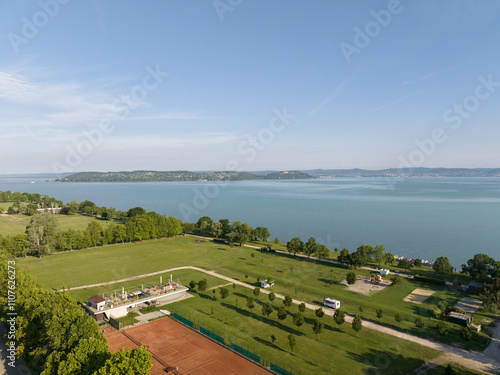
(175, 345)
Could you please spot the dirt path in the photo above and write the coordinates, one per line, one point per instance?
(486, 362)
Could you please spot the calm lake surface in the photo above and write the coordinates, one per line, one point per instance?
(415, 217)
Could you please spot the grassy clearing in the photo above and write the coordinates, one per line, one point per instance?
(302, 279)
(16, 224)
(331, 351)
(129, 319)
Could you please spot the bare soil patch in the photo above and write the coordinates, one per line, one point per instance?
(365, 286)
(469, 305)
(418, 296)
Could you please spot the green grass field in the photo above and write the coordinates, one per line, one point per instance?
(305, 280)
(16, 224)
(332, 351)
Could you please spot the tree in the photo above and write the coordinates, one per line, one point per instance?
(202, 285)
(351, 277)
(396, 279)
(276, 240)
(267, 309)
(388, 259)
(291, 341)
(380, 313)
(417, 263)
(398, 318)
(358, 259)
(442, 266)
(357, 324)
(419, 322)
(94, 230)
(378, 254)
(311, 246)
(319, 312)
(466, 333)
(405, 263)
(192, 284)
(204, 219)
(302, 307)
(250, 303)
(256, 291)
(131, 361)
(240, 232)
(273, 338)
(287, 301)
(136, 211)
(298, 319)
(491, 292)
(442, 327)
(262, 233)
(216, 229)
(223, 293)
(295, 246)
(449, 370)
(317, 326)
(271, 296)
(282, 313)
(323, 252)
(343, 256)
(481, 266)
(40, 233)
(339, 317)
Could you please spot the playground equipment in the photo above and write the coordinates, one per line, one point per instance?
(376, 278)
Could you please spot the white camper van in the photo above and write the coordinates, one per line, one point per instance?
(330, 302)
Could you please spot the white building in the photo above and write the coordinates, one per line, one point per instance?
(384, 272)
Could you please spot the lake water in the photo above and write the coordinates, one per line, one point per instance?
(415, 217)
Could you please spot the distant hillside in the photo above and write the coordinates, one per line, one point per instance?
(158, 176)
(415, 172)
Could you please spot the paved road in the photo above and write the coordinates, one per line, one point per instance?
(486, 362)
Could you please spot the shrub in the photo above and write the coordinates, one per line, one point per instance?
(442, 328)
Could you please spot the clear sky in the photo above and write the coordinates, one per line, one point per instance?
(248, 84)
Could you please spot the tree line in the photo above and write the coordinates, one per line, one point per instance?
(43, 237)
(55, 336)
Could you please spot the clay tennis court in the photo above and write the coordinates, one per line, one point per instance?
(418, 296)
(173, 344)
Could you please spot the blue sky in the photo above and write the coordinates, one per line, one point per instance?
(365, 84)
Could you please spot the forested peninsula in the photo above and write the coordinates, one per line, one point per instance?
(161, 176)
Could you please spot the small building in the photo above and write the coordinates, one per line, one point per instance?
(460, 319)
(474, 287)
(97, 302)
(384, 272)
(265, 284)
(330, 302)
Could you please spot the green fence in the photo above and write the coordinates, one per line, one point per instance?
(115, 323)
(183, 320)
(246, 353)
(279, 370)
(212, 335)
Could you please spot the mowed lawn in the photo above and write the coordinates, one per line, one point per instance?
(16, 224)
(332, 351)
(305, 280)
